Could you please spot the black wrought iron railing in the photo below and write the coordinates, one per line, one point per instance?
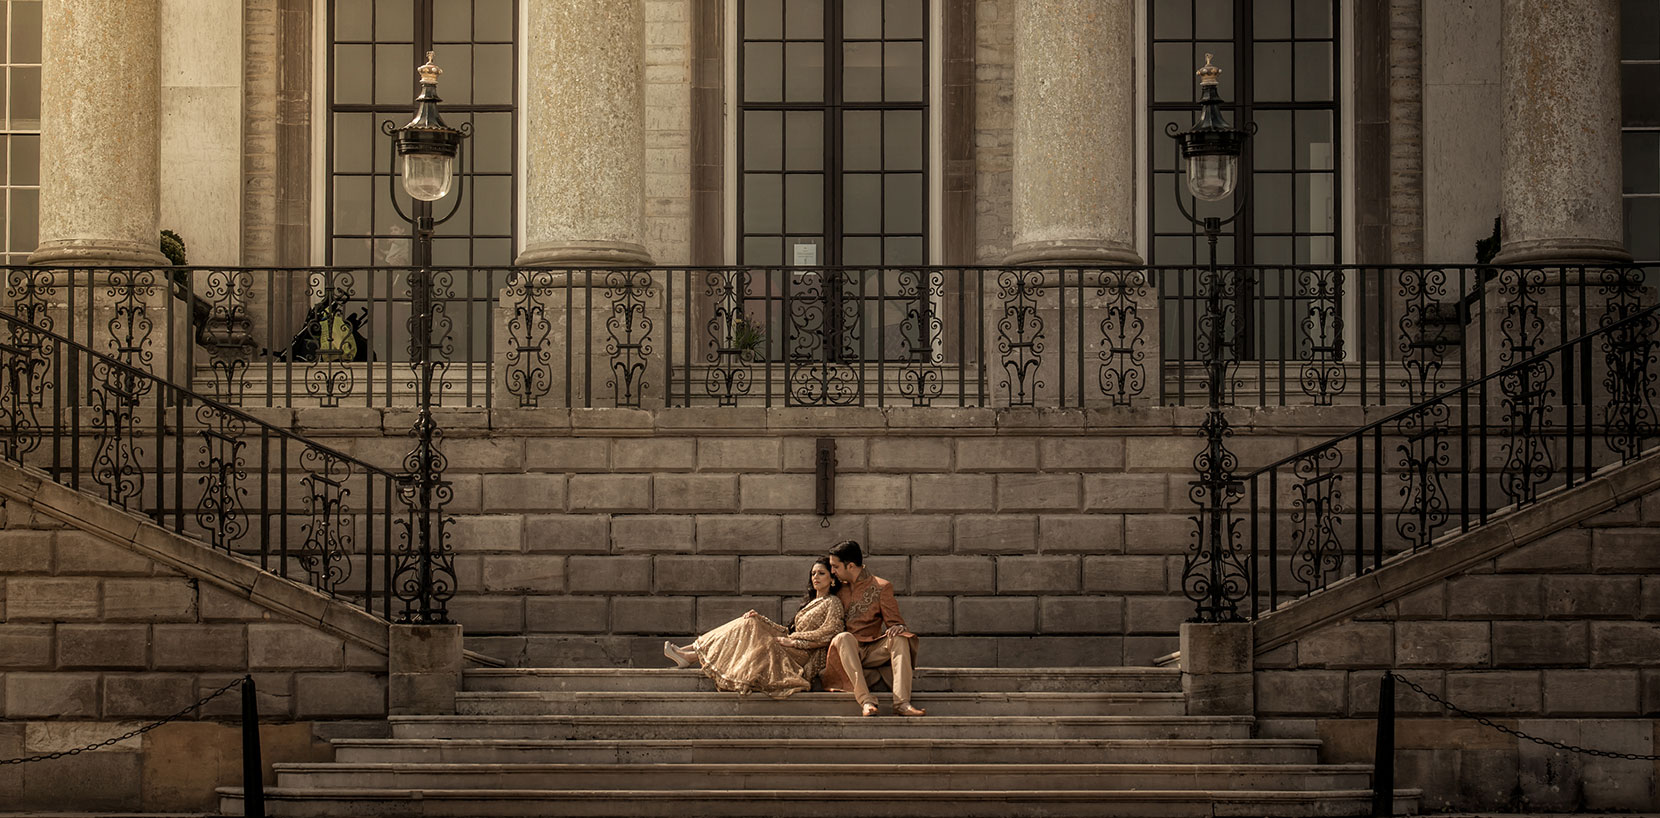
(890, 336)
(107, 425)
(1548, 418)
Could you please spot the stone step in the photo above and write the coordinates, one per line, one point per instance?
(620, 703)
(820, 800)
(820, 750)
(959, 777)
(780, 728)
(962, 680)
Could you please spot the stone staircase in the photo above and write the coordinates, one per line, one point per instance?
(996, 742)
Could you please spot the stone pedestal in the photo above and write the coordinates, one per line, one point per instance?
(585, 188)
(99, 152)
(1217, 663)
(424, 667)
(1561, 133)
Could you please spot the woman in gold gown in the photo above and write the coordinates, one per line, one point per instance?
(753, 654)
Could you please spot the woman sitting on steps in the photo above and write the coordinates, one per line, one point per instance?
(755, 654)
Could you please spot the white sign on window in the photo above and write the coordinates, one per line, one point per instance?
(806, 255)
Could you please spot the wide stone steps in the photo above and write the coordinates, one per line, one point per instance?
(616, 703)
(758, 775)
(785, 729)
(961, 680)
(826, 799)
(830, 751)
(662, 741)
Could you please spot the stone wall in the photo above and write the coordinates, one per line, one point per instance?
(98, 638)
(1014, 537)
(994, 128)
(1559, 638)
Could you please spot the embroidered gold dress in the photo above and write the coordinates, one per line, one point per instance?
(744, 655)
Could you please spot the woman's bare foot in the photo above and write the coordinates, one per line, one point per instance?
(674, 654)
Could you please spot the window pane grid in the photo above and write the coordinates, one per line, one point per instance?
(1640, 127)
(20, 128)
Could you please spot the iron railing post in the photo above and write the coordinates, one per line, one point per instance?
(253, 770)
(1213, 576)
(1383, 759)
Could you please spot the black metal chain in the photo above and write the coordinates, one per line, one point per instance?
(130, 734)
(1567, 748)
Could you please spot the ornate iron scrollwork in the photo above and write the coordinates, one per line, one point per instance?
(1526, 394)
(1020, 339)
(129, 292)
(114, 392)
(440, 347)
(628, 327)
(221, 511)
(733, 336)
(1122, 373)
(1215, 574)
(20, 366)
(228, 335)
(424, 582)
(1218, 335)
(1321, 336)
(922, 335)
(327, 377)
(1425, 457)
(1630, 356)
(324, 555)
(1316, 551)
(1424, 334)
(529, 359)
(823, 339)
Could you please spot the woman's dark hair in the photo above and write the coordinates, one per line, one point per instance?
(848, 551)
(835, 584)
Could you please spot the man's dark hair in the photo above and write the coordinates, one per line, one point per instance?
(848, 551)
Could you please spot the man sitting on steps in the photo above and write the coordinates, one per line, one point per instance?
(876, 641)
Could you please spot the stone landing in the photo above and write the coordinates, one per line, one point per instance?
(996, 742)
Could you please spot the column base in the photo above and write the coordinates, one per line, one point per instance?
(585, 254)
(97, 253)
(1562, 251)
(1073, 253)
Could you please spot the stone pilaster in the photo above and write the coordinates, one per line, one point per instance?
(1074, 133)
(99, 156)
(423, 664)
(1561, 133)
(1217, 665)
(585, 122)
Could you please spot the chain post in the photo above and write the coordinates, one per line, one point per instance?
(1383, 758)
(253, 770)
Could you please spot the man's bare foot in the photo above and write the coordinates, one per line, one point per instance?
(867, 710)
(908, 710)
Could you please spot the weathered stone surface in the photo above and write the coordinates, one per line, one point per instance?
(1518, 692)
(1125, 493)
(911, 533)
(1081, 533)
(997, 454)
(1578, 595)
(1038, 574)
(1566, 551)
(808, 535)
(610, 492)
(741, 454)
(995, 534)
(1431, 644)
(872, 492)
(910, 454)
(1156, 533)
(1298, 692)
(1038, 492)
(588, 575)
(103, 646)
(488, 532)
(273, 646)
(149, 695)
(772, 575)
(567, 614)
(635, 533)
(654, 454)
(1591, 692)
(956, 576)
(1124, 574)
(666, 615)
(25, 552)
(777, 492)
(574, 454)
(52, 696)
(567, 533)
(1532, 644)
(1624, 551)
(681, 574)
(1155, 614)
(339, 695)
(1625, 644)
(695, 492)
(953, 492)
(738, 534)
(24, 647)
(1081, 454)
(1350, 644)
(976, 615)
(1494, 597)
(1081, 614)
(67, 599)
(522, 492)
(714, 611)
(537, 573)
(199, 647)
(161, 599)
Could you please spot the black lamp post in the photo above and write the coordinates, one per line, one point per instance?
(424, 578)
(1213, 573)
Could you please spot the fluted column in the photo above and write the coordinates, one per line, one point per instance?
(1561, 132)
(99, 151)
(586, 141)
(1074, 133)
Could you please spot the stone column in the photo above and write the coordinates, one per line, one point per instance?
(1074, 207)
(586, 138)
(1561, 133)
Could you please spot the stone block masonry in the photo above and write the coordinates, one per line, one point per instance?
(593, 532)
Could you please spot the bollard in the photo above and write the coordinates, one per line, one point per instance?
(1383, 759)
(253, 780)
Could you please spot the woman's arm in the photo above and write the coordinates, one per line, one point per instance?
(822, 625)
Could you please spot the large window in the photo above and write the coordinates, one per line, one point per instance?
(1640, 126)
(375, 46)
(1280, 70)
(20, 129)
(833, 135)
